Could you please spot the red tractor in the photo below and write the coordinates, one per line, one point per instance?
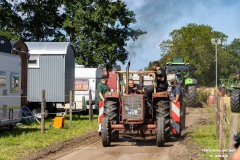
(131, 112)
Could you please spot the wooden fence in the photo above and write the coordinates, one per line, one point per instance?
(222, 121)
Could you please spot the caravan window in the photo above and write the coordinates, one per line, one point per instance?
(33, 61)
(2, 79)
(14, 82)
(81, 84)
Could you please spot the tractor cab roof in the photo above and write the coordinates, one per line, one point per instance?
(172, 63)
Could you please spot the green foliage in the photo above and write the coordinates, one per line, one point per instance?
(202, 95)
(100, 30)
(41, 20)
(10, 21)
(193, 43)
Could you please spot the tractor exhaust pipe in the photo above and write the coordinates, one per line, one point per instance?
(127, 77)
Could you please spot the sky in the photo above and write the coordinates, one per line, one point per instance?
(160, 17)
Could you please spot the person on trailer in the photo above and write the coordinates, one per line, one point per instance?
(161, 77)
(134, 88)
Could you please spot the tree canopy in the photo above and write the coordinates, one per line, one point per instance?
(193, 43)
(99, 29)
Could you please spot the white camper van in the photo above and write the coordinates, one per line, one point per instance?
(86, 79)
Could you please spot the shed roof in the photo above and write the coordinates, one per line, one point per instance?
(48, 47)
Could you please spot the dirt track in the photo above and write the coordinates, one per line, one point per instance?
(89, 146)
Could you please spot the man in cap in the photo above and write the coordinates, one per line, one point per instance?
(175, 96)
(176, 91)
(102, 88)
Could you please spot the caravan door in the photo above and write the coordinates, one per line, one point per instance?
(81, 93)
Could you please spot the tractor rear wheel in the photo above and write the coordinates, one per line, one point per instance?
(235, 100)
(111, 111)
(191, 95)
(106, 132)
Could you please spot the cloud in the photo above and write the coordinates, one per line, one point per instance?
(160, 17)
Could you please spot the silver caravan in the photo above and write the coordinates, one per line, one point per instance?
(51, 67)
(11, 88)
(86, 79)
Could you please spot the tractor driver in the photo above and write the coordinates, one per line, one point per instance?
(134, 88)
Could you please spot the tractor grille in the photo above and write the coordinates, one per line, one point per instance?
(133, 107)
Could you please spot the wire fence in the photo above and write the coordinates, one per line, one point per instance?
(221, 120)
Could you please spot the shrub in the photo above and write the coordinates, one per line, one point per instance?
(202, 94)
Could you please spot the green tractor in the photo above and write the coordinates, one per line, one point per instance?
(181, 72)
(226, 86)
(235, 93)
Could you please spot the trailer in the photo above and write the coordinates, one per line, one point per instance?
(86, 79)
(51, 67)
(13, 69)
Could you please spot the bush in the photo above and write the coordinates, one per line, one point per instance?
(202, 94)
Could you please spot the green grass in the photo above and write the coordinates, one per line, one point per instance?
(205, 136)
(27, 139)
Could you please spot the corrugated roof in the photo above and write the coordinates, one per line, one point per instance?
(48, 47)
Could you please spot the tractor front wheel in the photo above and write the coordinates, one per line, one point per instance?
(106, 132)
(191, 95)
(163, 122)
(235, 100)
(160, 132)
(111, 111)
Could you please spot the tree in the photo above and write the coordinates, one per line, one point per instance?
(9, 21)
(100, 29)
(193, 43)
(42, 20)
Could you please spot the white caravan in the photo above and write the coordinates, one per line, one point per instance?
(86, 79)
(10, 89)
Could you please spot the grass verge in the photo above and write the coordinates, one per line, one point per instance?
(26, 139)
(204, 135)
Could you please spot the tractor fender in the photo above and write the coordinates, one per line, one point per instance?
(190, 81)
(112, 95)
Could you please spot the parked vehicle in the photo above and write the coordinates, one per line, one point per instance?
(181, 72)
(86, 79)
(13, 71)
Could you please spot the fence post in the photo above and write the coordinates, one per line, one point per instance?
(42, 112)
(222, 128)
(70, 109)
(216, 104)
(233, 130)
(90, 105)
